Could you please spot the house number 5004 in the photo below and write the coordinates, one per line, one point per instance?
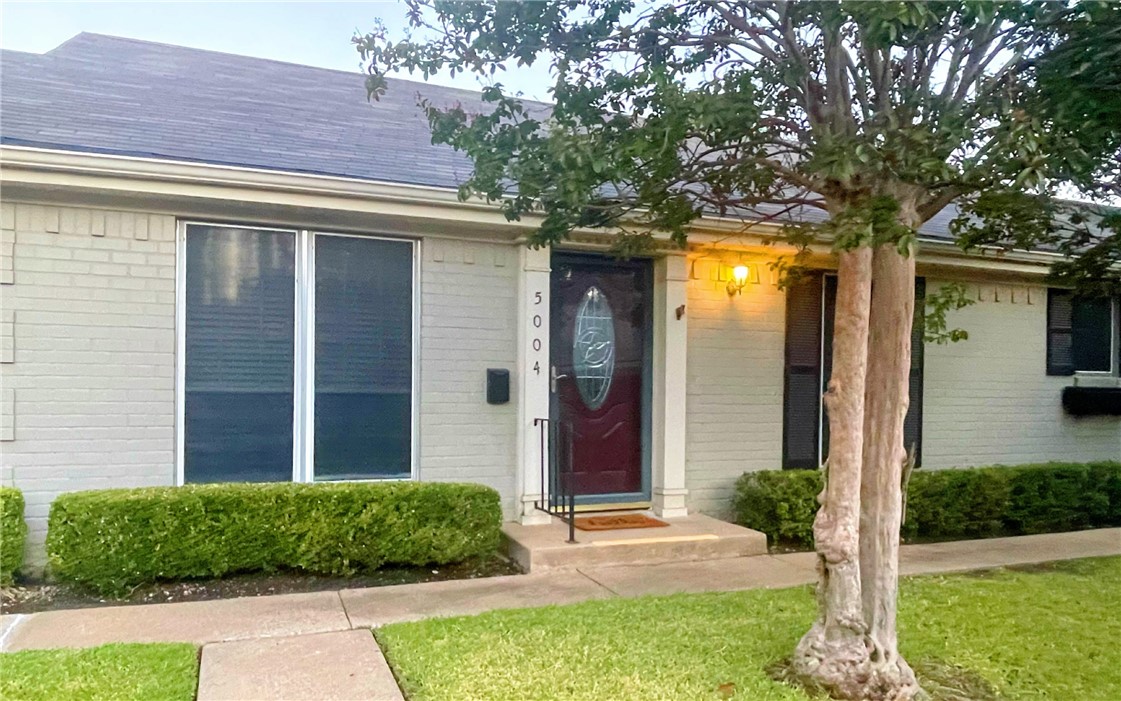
(538, 298)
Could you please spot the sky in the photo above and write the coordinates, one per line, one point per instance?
(310, 33)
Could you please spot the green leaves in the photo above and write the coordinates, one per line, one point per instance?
(950, 296)
(112, 540)
(665, 113)
(945, 504)
(13, 532)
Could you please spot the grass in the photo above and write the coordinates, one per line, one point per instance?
(1024, 635)
(152, 672)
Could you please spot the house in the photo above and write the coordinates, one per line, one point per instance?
(224, 268)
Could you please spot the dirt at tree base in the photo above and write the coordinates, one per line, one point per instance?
(940, 680)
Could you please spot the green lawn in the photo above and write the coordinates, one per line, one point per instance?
(1053, 634)
(163, 672)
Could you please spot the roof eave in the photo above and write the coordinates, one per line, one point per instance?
(211, 185)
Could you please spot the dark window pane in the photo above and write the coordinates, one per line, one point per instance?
(912, 425)
(240, 292)
(1092, 329)
(363, 358)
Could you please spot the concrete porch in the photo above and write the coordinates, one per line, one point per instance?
(688, 538)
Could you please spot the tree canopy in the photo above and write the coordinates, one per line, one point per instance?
(667, 111)
(1075, 91)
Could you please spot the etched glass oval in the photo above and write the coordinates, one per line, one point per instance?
(593, 348)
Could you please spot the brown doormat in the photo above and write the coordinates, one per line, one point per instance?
(618, 521)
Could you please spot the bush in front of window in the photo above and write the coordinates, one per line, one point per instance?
(13, 532)
(113, 540)
(981, 502)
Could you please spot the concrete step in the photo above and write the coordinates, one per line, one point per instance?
(689, 538)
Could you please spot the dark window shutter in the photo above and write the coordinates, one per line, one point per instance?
(802, 385)
(912, 425)
(1060, 318)
(1091, 330)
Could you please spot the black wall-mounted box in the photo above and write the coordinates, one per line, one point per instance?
(498, 386)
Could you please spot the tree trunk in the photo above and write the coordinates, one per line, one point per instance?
(834, 652)
(886, 398)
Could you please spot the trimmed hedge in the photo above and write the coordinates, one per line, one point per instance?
(13, 533)
(113, 540)
(980, 502)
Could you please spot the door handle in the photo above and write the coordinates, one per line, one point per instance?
(553, 377)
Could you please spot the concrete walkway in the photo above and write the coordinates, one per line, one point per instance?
(283, 647)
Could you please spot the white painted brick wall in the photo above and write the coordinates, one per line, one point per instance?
(734, 389)
(988, 400)
(468, 324)
(88, 317)
(91, 305)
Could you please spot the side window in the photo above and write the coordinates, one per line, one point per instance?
(1080, 333)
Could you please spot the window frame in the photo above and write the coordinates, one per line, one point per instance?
(1113, 361)
(303, 380)
(1114, 339)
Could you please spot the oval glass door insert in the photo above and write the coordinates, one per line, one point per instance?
(593, 348)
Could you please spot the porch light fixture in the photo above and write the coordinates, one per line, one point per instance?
(738, 281)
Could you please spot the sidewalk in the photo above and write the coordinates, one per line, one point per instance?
(278, 628)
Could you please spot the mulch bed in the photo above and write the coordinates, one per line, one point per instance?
(31, 596)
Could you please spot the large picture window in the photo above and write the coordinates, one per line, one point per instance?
(297, 352)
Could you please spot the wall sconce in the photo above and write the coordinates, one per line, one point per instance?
(739, 280)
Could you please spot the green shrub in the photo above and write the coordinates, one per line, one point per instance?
(115, 539)
(978, 502)
(957, 503)
(781, 503)
(13, 533)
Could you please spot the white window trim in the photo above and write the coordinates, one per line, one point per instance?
(303, 410)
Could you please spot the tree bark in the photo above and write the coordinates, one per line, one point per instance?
(886, 398)
(834, 652)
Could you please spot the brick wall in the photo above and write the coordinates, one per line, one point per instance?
(989, 399)
(88, 299)
(735, 380)
(468, 324)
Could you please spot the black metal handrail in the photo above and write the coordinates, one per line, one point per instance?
(558, 493)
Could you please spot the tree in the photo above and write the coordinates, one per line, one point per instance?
(1076, 93)
(880, 115)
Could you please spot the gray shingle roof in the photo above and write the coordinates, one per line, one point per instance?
(103, 94)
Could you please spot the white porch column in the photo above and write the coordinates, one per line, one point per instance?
(533, 373)
(668, 416)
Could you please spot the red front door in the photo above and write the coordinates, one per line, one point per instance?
(600, 352)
